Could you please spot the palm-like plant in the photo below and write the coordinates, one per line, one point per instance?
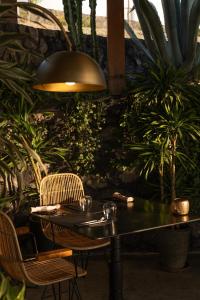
(163, 91)
(164, 111)
(173, 128)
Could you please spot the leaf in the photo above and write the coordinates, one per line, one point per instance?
(136, 41)
(21, 294)
(3, 286)
(194, 21)
(185, 13)
(155, 27)
(145, 29)
(171, 25)
(33, 154)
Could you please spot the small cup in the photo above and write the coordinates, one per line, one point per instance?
(109, 210)
(85, 202)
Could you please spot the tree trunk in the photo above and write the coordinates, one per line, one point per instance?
(161, 174)
(173, 169)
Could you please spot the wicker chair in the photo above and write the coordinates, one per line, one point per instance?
(66, 188)
(46, 270)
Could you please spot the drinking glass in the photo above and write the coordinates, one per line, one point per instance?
(109, 210)
(85, 202)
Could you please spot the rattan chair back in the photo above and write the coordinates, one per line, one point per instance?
(45, 272)
(60, 188)
(65, 188)
(10, 253)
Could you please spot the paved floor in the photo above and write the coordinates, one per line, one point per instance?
(143, 280)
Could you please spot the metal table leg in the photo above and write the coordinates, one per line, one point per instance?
(116, 278)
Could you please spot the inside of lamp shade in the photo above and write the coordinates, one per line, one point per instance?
(68, 87)
(70, 83)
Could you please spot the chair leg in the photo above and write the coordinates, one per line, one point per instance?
(59, 291)
(44, 292)
(54, 291)
(74, 290)
(86, 260)
(81, 258)
(71, 292)
(75, 261)
(107, 255)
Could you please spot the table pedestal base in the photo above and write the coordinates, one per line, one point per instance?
(116, 277)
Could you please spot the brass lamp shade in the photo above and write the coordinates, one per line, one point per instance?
(70, 71)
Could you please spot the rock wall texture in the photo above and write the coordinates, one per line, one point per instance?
(44, 42)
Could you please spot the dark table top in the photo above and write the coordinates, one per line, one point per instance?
(141, 215)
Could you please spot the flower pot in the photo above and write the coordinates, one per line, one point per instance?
(174, 246)
(180, 206)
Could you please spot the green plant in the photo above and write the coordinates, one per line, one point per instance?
(78, 131)
(163, 95)
(93, 5)
(74, 18)
(21, 141)
(164, 120)
(10, 292)
(27, 142)
(179, 47)
(14, 73)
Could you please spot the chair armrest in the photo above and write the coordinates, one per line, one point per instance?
(22, 230)
(58, 253)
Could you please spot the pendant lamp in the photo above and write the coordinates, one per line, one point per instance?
(68, 71)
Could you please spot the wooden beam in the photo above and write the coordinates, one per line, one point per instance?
(116, 46)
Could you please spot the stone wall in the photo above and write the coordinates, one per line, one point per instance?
(46, 42)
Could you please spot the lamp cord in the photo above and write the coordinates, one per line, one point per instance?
(48, 12)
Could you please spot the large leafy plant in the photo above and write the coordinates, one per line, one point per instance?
(165, 104)
(176, 46)
(163, 121)
(21, 142)
(10, 292)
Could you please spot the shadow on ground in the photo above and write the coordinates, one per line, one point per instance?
(143, 279)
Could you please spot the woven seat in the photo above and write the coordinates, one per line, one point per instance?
(65, 188)
(44, 272)
(70, 239)
(51, 271)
